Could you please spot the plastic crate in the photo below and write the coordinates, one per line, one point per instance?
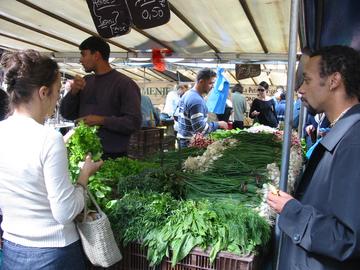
(168, 143)
(134, 258)
(200, 260)
(145, 142)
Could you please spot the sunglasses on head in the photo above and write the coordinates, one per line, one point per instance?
(261, 89)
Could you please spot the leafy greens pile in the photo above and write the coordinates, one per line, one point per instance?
(167, 226)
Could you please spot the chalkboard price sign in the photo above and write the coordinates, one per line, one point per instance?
(244, 71)
(149, 13)
(111, 17)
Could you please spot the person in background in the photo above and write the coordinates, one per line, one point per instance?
(193, 111)
(280, 108)
(173, 98)
(38, 201)
(314, 128)
(171, 107)
(227, 111)
(277, 96)
(296, 110)
(263, 107)
(239, 106)
(321, 221)
(150, 117)
(107, 99)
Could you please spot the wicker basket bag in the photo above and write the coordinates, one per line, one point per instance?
(97, 238)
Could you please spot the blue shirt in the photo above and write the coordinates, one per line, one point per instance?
(280, 110)
(192, 117)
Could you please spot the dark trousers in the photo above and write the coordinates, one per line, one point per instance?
(238, 124)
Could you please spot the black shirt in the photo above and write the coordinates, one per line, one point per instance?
(267, 114)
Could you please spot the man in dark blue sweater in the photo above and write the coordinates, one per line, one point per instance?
(107, 99)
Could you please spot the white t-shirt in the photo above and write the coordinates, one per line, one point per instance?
(171, 103)
(37, 198)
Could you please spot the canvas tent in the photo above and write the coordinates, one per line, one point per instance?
(199, 33)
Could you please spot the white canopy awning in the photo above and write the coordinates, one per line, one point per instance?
(199, 33)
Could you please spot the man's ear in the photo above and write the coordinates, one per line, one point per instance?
(335, 80)
(98, 55)
(43, 92)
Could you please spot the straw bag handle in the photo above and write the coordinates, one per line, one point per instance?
(92, 199)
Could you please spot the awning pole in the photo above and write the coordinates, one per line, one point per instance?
(294, 21)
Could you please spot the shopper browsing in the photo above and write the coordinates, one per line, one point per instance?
(192, 117)
(239, 105)
(321, 222)
(38, 201)
(263, 107)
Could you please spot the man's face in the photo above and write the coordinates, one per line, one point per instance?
(207, 85)
(314, 90)
(87, 59)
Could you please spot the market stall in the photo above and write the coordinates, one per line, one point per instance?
(206, 201)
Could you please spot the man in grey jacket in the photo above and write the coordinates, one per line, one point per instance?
(321, 221)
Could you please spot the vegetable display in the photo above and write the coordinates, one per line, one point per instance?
(210, 196)
(239, 172)
(172, 228)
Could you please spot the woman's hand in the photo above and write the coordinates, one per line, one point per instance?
(255, 113)
(88, 169)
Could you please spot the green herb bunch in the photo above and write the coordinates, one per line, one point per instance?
(82, 142)
(153, 179)
(135, 214)
(104, 183)
(225, 133)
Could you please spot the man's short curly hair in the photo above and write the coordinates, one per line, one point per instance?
(205, 74)
(94, 44)
(346, 61)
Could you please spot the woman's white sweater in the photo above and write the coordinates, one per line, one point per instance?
(37, 199)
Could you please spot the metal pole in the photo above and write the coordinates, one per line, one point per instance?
(294, 21)
(302, 120)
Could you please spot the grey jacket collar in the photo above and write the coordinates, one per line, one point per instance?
(342, 126)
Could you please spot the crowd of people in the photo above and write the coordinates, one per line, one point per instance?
(319, 221)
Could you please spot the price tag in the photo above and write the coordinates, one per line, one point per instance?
(111, 17)
(149, 13)
(244, 71)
